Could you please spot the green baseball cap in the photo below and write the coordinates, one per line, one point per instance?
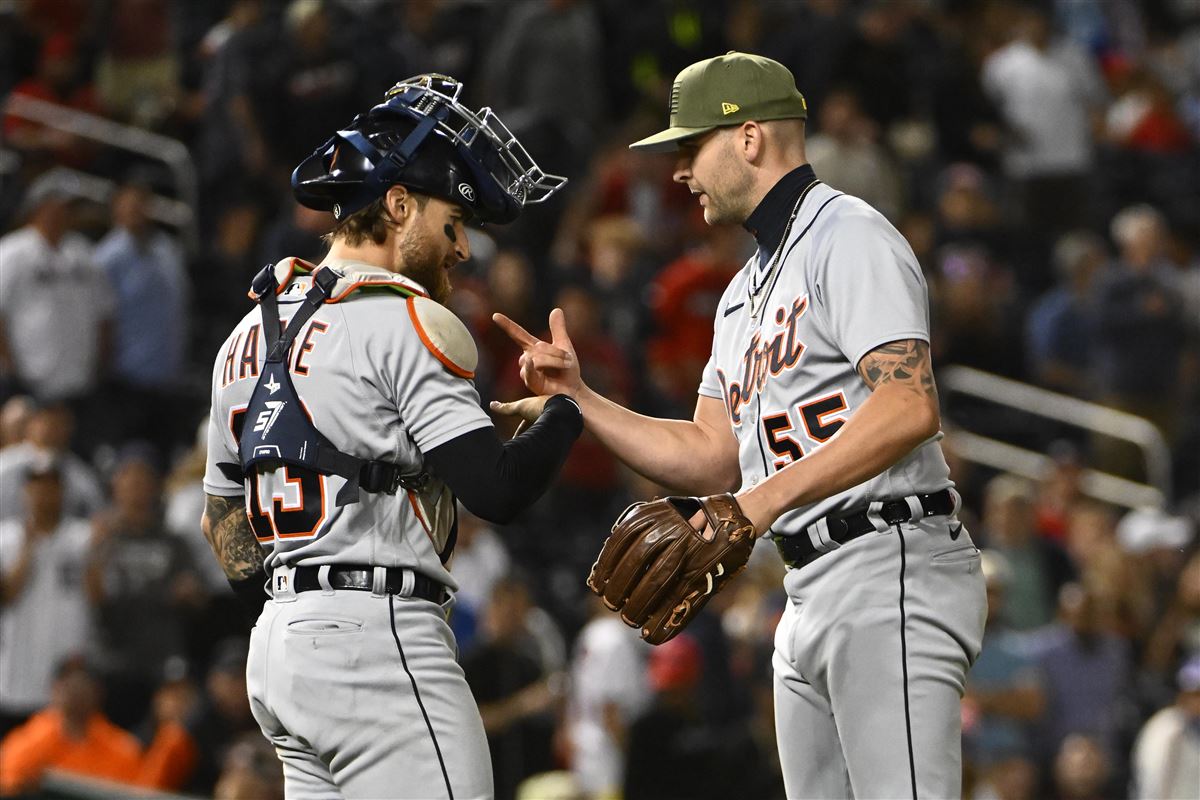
(727, 90)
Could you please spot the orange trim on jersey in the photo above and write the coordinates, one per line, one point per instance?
(412, 499)
(383, 282)
(447, 362)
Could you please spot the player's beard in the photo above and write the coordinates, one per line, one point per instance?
(729, 191)
(422, 261)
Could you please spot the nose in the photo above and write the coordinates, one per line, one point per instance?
(683, 168)
(462, 244)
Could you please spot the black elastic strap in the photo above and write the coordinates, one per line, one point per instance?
(323, 281)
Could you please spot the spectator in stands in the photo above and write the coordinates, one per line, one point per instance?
(1004, 697)
(14, 420)
(1083, 770)
(1114, 580)
(313, 69)
(1177, 634)
(1140, 326)
(56, 305)
(620, 271)
(1087, 675)
(683, 301)
(72, 735)
(675, 752)
(139, 580)
(1059, 491)
(481, 559)
(1039, 567)
(607, 691)
(544, 66)
(1049, 95)
(516, 695)
(968, 212)
(58, 81)
(1060, 330)
(231, 146)
(221, 716)
(297, 231)
(1158, 544)
(47, 435)
(846, 153)
(976, 310)
(145, 266)
(43, 613)
(138, 72)
(251, 771)
(1166, 756)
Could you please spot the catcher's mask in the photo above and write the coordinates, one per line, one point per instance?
(421, 136)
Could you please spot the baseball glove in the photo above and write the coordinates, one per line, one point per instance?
(658, 571)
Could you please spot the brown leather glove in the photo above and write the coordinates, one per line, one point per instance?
(658, 571)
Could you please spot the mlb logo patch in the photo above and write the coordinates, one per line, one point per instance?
(281, 583)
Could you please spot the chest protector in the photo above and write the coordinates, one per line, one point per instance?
(278, 429)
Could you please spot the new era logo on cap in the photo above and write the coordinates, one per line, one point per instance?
(730, 108)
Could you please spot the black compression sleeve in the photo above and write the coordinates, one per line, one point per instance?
(495, 480)
(252, 592)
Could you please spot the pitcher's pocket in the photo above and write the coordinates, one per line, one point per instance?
(963, 554)
(325, 626)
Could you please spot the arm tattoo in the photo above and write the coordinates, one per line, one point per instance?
(229, 535)
(905, 362)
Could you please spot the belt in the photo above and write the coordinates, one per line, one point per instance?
(362, 579)
(798, 550)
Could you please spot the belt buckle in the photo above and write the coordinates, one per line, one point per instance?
(283, 584)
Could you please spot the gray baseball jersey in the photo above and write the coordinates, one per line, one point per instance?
(848, 282)
(872, 650)
(378, 387)
(359, 692)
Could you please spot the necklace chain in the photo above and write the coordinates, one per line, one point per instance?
(755, 288)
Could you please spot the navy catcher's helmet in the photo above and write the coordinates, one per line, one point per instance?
(421, 136)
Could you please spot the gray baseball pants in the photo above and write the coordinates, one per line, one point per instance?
(362, 697)
(870, 660)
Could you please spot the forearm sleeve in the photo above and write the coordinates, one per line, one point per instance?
(497, 480)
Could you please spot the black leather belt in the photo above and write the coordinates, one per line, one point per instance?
(798, 550)
(362, 579)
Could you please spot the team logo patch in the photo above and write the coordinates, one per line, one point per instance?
(730, 108)
(467, 191)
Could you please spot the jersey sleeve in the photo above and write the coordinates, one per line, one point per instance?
(869, 286)
(221, 446)
(432, 382)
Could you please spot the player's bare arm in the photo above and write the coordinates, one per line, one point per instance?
(696, 457)
(901, 412)
(228, 532)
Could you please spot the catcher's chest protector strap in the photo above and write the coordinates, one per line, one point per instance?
(278, 428)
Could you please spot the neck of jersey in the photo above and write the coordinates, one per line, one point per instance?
(769, 220)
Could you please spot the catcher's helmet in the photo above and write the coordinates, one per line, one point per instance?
(421, 136)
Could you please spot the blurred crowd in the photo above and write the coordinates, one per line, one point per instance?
(1041, 158)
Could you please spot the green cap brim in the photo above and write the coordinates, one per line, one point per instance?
(668, 140)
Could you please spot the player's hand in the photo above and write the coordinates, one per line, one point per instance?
(547, 368)
(527, 408)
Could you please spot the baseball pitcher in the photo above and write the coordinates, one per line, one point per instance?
(818, 407)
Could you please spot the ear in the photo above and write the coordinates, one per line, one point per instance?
(750, 141)
(398, 203)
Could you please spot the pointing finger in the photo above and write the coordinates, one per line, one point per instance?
(515, 331)
(558, 328)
